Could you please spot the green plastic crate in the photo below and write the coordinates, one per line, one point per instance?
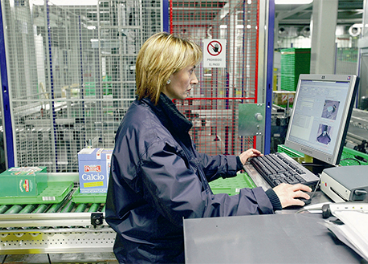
(294, 61)
(55, 192)
(347, 157)
(290, 152)
(232, 185)
(88, 197)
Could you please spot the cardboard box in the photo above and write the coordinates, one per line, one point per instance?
(94, 169)
(23, 181)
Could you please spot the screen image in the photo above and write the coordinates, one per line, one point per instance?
(324, 134)
(321, 114)
(330, 109)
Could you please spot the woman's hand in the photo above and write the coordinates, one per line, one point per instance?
(289, 194)
(248, 154)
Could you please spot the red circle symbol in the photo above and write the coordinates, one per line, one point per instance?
(214, 48)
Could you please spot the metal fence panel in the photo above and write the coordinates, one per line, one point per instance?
(72, 74)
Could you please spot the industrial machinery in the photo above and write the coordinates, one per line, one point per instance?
(64, 221)
(357, 136)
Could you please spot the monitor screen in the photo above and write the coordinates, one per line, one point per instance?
(320, 115)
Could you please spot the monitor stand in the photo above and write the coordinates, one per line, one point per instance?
(315, 165)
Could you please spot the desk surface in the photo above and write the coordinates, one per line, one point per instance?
(285, 237)
(278, 238)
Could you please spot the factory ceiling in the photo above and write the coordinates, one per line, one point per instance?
(349, 12)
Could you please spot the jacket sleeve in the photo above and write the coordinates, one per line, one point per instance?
(174, 188)
(214, 167)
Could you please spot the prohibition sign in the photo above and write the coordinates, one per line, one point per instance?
(214, 48)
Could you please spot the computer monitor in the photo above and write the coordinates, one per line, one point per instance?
(321, 115)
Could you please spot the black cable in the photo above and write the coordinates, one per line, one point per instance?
(311, 196)
(315, 189)
(48, 256)
(4, 259)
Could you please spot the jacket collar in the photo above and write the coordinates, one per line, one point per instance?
(169, 115)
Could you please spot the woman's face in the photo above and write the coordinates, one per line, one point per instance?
(181, 83)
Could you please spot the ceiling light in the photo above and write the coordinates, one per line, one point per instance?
(293, 2)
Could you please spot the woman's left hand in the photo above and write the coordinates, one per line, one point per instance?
(248, 154)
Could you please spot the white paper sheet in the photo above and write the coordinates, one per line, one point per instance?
(354, 231)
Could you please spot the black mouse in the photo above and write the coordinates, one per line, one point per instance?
(306, 201)
(297, 207)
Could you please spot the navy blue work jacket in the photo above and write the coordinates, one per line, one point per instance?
(158, 179)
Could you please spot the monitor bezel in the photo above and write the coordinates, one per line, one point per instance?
(334, 158)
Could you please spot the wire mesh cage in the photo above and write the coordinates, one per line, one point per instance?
(72, 72)
(213, 108)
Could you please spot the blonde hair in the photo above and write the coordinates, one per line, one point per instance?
(160, 56)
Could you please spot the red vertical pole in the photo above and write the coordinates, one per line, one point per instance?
(171, 16)
(256, 72)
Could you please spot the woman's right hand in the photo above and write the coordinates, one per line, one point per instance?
(288, 194)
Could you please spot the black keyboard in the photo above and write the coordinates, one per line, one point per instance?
(280, 168)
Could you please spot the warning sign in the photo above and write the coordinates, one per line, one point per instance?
(214, 53)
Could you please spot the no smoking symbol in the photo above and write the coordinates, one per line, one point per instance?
(214, 48)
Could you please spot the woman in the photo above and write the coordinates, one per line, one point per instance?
(157, 177)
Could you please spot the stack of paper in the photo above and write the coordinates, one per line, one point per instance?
(354, 231)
